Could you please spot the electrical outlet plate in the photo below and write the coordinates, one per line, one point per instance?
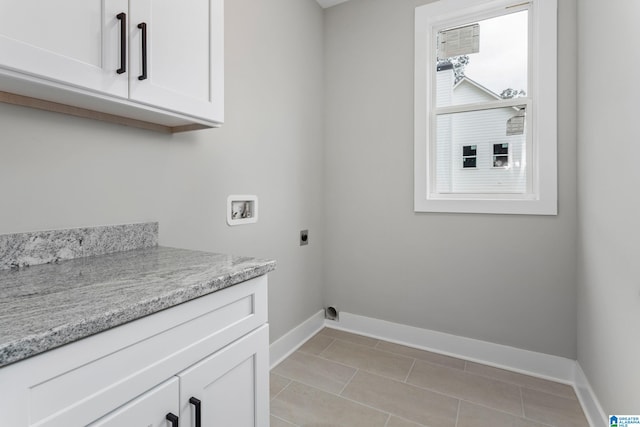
(304, 237)
(242, 209)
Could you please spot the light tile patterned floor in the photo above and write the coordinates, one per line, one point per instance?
(338, 379)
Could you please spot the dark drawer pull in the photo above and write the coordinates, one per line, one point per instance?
(173, 419)
(198, 405)
(143, 27)
(123, 42)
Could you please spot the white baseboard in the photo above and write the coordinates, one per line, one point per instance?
(541, 365)
(554, 368)
(289, 342)
(588, 399)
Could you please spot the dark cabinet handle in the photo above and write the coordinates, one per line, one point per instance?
(173, 419)
(123, 42)
(143, 27)
(198, 405)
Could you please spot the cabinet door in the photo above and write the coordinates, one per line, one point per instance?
(184, 56)
(148, 410)
(232, 385)
(76, 42)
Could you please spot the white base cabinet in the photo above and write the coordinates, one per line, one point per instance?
(206, 360)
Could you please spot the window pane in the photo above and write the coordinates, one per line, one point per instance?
(500, 148)
(497, 71)
(499, 163)
(469, 150)
(469, 162)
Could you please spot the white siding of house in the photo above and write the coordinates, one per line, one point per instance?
(444, 97)
(466, 92)
(444, 85)
(483, 129)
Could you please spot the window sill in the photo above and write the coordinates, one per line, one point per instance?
(482, 204)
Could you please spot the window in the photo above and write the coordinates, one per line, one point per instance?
(485, 107)
(469, 156)
(501, 156)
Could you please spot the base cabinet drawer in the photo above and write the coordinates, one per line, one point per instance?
(149, 410)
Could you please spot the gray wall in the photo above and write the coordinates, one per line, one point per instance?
(57, 171)
(609, 288)
(505, 279)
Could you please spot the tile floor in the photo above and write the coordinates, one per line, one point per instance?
(338, 379)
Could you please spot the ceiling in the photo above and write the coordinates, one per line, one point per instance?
(328, 3)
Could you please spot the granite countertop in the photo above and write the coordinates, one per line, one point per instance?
(46, 306)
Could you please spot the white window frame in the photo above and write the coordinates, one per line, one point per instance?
(541, 109)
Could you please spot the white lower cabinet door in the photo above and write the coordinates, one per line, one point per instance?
(231, 387)
(148, 410)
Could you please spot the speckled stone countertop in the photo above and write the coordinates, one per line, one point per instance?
(45, 306)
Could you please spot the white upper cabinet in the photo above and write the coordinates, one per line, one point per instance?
(183, 55)
(153, 61)
(75, 42)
